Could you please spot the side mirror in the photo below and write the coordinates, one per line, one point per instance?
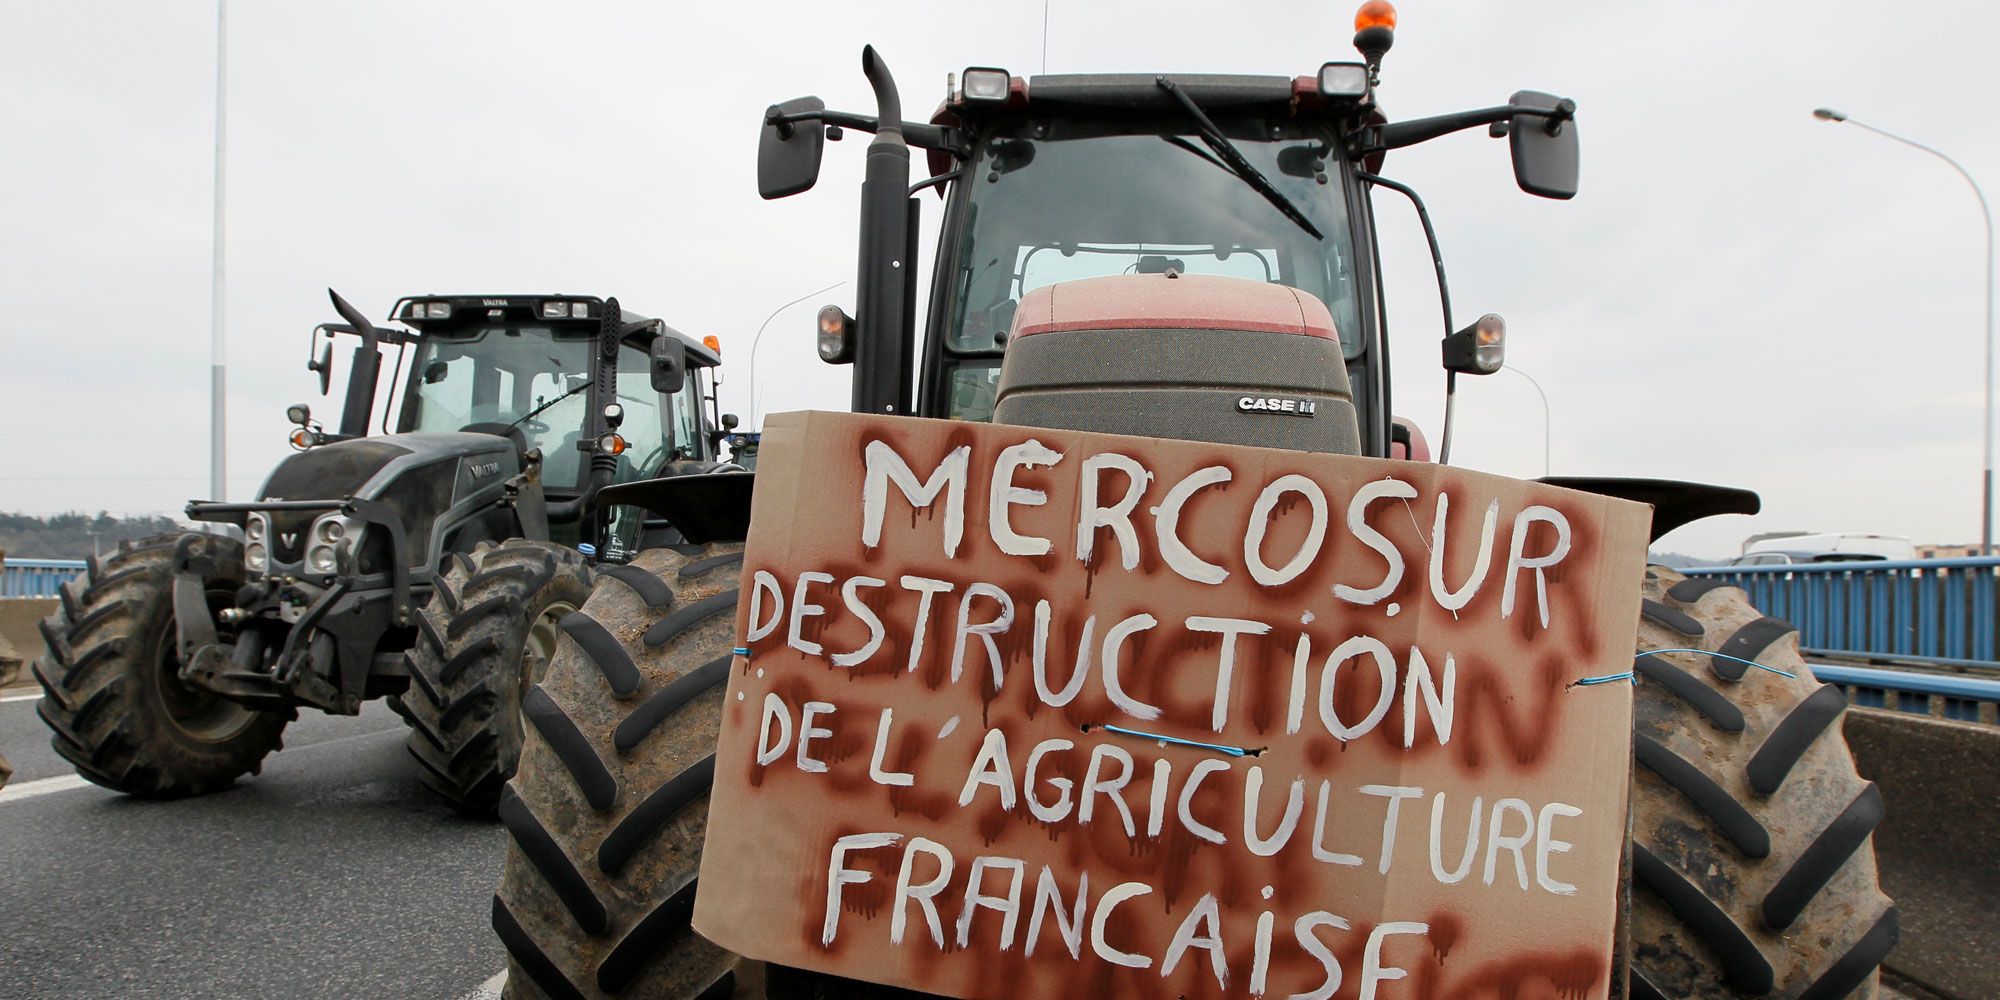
(322, 362)
(788, 153)
(669, 365)
(1479, 349)
(729, 421)
(1544, 146)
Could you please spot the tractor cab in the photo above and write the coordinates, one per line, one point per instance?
(1099, 181)
(525, 369)
(599, 395)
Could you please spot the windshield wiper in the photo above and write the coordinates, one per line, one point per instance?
(1237, 162)
(531, 414)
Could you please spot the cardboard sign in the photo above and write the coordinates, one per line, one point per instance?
(1034, 713)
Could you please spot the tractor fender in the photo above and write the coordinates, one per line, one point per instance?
(704, 506)
(1674, 503)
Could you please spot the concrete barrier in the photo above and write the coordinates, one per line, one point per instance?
(18, 620)
(1938, 848)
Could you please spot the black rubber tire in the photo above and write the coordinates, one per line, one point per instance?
(1753, 871)
(110, 687)
(607, 812)
(1769, 761)
(485, 636)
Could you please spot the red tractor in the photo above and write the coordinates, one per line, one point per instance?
(1114, 251)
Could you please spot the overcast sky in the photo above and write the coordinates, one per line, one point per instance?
(1740, 294)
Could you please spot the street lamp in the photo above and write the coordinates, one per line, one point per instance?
(754, 341)
(1545, 414)
(218, 370)
(1986, 213)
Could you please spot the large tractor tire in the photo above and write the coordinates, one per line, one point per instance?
(1753, 871)
(607, 813)
(486, 636)
(1753, 875)
(111, 682)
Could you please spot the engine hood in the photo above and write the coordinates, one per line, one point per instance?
(420, 476)
(364, 467)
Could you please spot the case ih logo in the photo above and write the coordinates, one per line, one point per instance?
(1276, 404)
(480, 470)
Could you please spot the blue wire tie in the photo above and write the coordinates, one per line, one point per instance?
(1217, 747)
(1726, 656)
(1633, 676)
(1606, 679)
(742, 651)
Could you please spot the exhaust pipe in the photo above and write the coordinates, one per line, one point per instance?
(883, 354)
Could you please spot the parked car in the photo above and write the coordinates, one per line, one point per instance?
(1820, 547)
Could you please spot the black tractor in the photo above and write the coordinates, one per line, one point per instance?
(433, 564)
(1161, 210)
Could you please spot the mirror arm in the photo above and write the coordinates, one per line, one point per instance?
(1400, 134)
(947, 176)
(939, 137)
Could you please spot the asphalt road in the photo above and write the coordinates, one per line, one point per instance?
(332, 874)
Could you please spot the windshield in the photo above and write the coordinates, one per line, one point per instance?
(487, 378)
(1056, 200)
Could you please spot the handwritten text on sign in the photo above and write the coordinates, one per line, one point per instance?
(1030, 712)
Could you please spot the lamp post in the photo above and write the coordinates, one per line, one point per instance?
(1546, 423)
(218, 479)
(754, 341)
(1986, 214)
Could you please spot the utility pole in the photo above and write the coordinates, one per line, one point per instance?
(1547, 422)
(218, 475)
(1986, 215)
(759, 338)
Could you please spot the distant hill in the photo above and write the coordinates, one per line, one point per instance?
(1677, 560)
(75, 535)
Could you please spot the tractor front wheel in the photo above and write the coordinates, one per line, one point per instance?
(111, 683)
(484, 639)
(607, 813)
(1753, 871)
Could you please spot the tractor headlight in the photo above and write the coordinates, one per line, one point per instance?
(321, 559)
(328, 537)
(986, 85)
(1345, 81)
(255, 528)
(256, 558)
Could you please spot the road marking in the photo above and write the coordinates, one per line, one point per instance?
(340, 739)
(30, 789)
(20, 697)
(490, 989)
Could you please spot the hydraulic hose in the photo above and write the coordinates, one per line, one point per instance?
(602, 468)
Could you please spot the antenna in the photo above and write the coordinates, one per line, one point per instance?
(1045, 36)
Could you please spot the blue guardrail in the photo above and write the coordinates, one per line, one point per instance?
(37, 577)
(1937, 615)
(1933, 611)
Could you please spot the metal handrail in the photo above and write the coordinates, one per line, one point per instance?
(1934, 612)
(35, 578)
